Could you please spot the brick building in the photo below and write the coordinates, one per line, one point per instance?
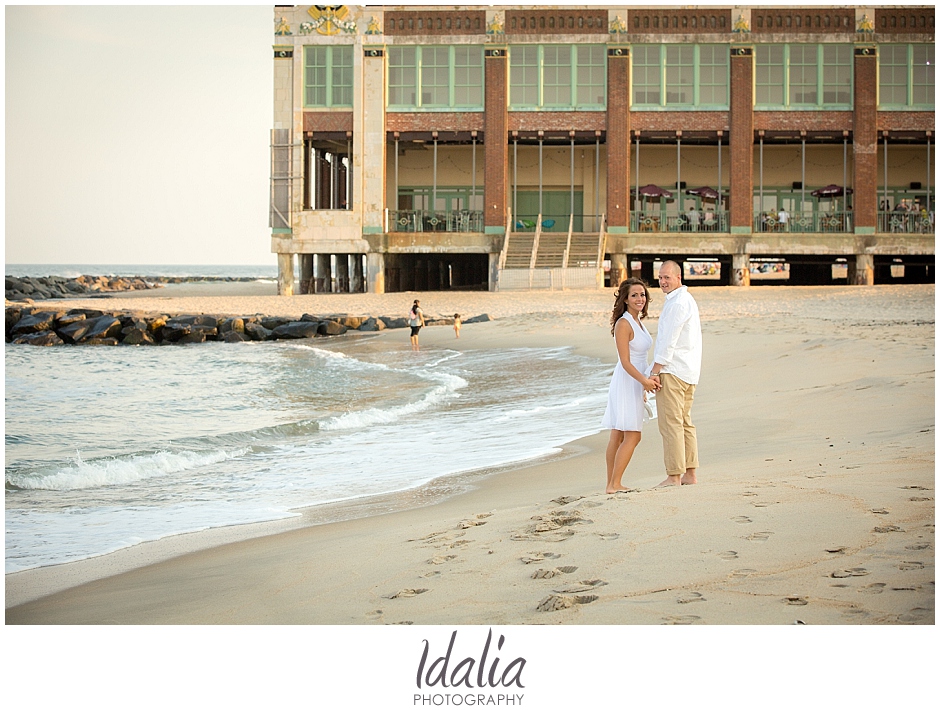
(479, 147)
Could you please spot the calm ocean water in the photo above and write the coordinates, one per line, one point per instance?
(109, 447)
(259, 271)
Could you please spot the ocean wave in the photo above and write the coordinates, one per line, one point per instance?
(447, 389)
(118, 470)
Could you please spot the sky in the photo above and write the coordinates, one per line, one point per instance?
(138, 135)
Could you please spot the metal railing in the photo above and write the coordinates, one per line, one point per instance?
(803, 222)
(557, 222)
(898, 222)
(657, 221)
(428, 221)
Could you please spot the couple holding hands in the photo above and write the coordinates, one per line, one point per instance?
(677, 363)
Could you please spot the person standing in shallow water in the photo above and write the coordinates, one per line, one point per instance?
(629, 384)
(677, 364)
(415, 320)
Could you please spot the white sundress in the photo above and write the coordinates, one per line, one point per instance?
(625, 400)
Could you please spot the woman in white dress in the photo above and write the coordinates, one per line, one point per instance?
(624, 415)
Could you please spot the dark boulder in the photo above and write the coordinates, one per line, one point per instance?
(297, 329)
(209, 332)
(100, 341)
(330, 327)
(172, 332)
(196, 336)
(234, 336)
(34, 323)
(229, 325)
(307, 318)
(74, 332)
(13, 315)
(347, 320)
(395, 322)
(44, 337)
(69, 318)
(482, 318)
(103, 328)
(372, 324)
(271, 323)
(138, 337)
(256, 331)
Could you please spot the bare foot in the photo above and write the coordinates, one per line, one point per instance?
(670, 481)
(619, 490)
(689, 478)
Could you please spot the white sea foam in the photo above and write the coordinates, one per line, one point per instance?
(119, 470)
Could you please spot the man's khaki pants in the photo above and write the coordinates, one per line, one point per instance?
(674, 411)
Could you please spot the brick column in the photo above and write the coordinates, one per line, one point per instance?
(741, 139)
(495, 140)
(865, 140)
(618, 139)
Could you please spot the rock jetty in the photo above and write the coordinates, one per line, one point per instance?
(42, 325)
(46, 287)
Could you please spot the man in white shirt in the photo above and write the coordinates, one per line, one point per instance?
(677, 364)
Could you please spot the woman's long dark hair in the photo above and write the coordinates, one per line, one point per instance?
(620, 300)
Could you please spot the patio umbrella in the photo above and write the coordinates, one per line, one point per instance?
(654, 191)
(831, 191)
(706, 193)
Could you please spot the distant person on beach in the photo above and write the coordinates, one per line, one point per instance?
(677, 364)
(457, 324)
(629, 384)
(415, 320)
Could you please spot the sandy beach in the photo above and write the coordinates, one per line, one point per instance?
(815, 417)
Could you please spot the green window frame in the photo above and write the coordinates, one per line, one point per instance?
(680, 76)
(906, 76)
(803, 76)
(435, 77)
(328, 76)
(558, 76)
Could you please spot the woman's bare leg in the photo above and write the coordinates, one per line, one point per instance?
(616, 438)
(622, 456)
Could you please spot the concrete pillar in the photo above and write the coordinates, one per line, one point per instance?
(495, 141)
(342, 273)
(865, 140)
(493, 277)
(862, 272)
(369, 142)
(618, 139)
(324, 279)
(619, 269)
(285, 274)
(375, 272)
(355, 283)
(306, 273)
(740, 269)
(741, 140)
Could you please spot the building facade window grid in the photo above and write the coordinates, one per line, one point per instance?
(680, 76)
(439, 77)
(906, 76)
(328, 76)
(557, 76)
(803, 76)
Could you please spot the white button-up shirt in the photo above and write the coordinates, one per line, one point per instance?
(679, 337)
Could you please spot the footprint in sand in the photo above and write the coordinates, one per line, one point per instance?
(851, 572)
(744, 572)
(911, 565)
(742, 519)
(375, 614)
(690, 597)
(879, 511)
(471, 523)
(887, 529)
(903, 589)
(762, 504)
(441, 559)
(919, 546)
(585, 585)
(564, 500)
(759, 536)
(404, 593)
(914, 488)
(608, 536)
(432, 573)
(402, 623)
(591, 504)
(539, 557)
(796, 601)
(874, 588)
(549, 573)
(728, 555)
(686, 620)
(917, 615)
(836, 550)
(855, 613)
(919, 499)
(557, 602)
(749, 493)
(556, 536)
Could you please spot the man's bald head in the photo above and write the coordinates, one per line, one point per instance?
(670, 276)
